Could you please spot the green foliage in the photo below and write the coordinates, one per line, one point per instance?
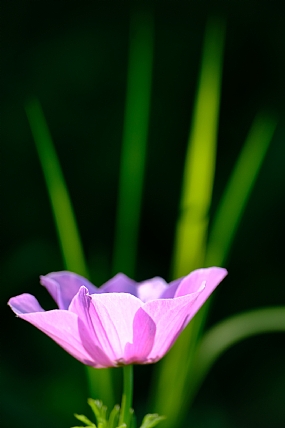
(200, 160)
(193, 355)
(191, 248)
(229, 332)
(192, 224)
(85, 420)
(68, 233)
(151, 420)
(238, 189)
(134, 145)
(102, 420)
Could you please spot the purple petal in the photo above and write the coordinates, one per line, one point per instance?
(112, 318)
(61, 326)
(24, 303)
(111, 326)
(192, 282)
(120, 283)
(82, 306)
(210, 277)
(151, 289)
(144, 330)
(169, 293)
(63, 286)
(170, 317)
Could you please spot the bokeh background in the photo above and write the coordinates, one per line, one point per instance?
(73, 56)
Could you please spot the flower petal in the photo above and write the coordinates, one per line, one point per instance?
(61, 326)
(120, 283)
(112, 318)
(211, 277)
(122, 322)
(144, 330)
(169, 293)
(64, 285)
(82, 306)
(192, 282)
(170, 317)
(151, 289)
(24, 303)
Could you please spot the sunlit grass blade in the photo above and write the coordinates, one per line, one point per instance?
(68, 234)
(238, 189)
(67, 230)
(229, 213)
(200, 159)
(231, 331)
(134, 143)
(192, 225)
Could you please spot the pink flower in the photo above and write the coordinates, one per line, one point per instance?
(123, 322)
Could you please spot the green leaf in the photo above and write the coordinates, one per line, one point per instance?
(200, 162)
(151, 420)
(81, 426)
(114, 417)
(192, 225)
(99, 410)
(239, 188)
(231, 331)
(84, 419)
(65, 221)
(134, 142)
(100, 381)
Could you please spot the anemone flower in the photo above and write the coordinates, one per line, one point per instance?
(122, 322)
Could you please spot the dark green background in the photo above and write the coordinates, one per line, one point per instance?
(73, 57)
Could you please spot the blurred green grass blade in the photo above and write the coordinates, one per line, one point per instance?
(228, 217)
(224, 227)
(67, 230)
(201, 157)
(231, 331)
(189, 250)
(99, 381)
(134, 143)
(238, 189)
(101, 385)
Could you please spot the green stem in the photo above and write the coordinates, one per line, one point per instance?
(127, 397)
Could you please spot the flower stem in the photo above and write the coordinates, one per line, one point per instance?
(127, 397)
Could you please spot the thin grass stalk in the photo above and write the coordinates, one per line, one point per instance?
(67, 230)
(229, 213)
(100, 382)
(239, 188)
(134, 144)
(191, 232)
(228, 333)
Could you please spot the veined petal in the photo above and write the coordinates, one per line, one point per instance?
(62, 326)
(192, 282)
(64, 285)
(170, 317)
(82, 306)
(211, 277)
(144, 331)
(112, 325)
(112, 316)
